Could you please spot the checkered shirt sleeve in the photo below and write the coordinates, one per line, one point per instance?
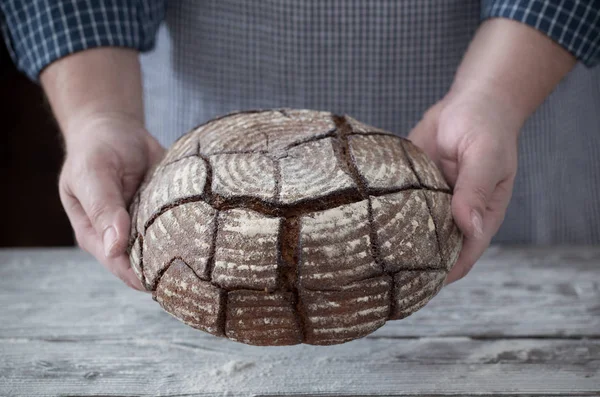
(38, 32)
(574, 24)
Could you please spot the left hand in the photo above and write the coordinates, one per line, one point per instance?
(507, 72)
(474, 143)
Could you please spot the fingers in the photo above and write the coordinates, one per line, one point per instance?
(472, 249)
(89, 239)
(479, 172)
(423, 134)
(121, 267)
(477, 179)
(481, 196)
(101, 196)
(477, 154)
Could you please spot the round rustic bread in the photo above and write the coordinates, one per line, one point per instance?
(286, 226)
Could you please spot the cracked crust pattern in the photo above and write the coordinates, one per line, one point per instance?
(312, 171)
(183, 232)
(243, 175)
(246, 250)
(261, 318)
(335, 247)
(405, 231)
(286, 226)
(381, 162)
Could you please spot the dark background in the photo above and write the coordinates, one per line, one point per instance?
(30, 159)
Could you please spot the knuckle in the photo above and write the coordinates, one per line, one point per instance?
(480, 194)
(96, 211)
(471, 196)
(64, 178)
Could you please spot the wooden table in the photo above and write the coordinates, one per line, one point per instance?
(524, 322)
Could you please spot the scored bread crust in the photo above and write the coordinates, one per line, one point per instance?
(279, 227)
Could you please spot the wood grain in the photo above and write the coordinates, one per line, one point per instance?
(525, 321)
(407, 367)
(512, 292)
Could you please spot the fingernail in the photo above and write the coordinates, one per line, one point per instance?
(135, 282)
(477, 224)
(109, 239)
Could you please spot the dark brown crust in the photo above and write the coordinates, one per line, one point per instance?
(335, 247)
(194, 301)
(413, 289)
(243, 175)
(288, 293)
(184, 230)
(409, 244)
(449, 236)
(289, 251)
(349, 313)
(424, 168)
(245, 256)
(210, 264)
(136, 258)
(262, 319)
(381, 162)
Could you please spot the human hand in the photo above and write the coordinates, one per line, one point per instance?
(106, 160)
(471, 134)
(96, 97)
(473, 140)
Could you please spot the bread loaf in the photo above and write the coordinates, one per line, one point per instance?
(281, 227)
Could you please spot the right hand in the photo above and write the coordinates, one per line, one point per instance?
(107, 158)
(472, 138)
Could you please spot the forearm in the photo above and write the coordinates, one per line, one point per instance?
(514, 64)
(92, 83)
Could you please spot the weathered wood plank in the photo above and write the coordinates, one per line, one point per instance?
(512, 292)
(174, 367)
(528, 320)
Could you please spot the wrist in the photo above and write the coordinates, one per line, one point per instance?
(94, 85)
(486, 97)
(88, 122)
(512, 64)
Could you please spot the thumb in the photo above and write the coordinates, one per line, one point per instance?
(424, 133)
(478, 176)
(101, 196)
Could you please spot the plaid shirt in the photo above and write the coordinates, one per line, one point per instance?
(38, 32)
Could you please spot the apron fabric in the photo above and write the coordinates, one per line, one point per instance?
(384, 63)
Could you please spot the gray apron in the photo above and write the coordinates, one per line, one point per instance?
(383, 62)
